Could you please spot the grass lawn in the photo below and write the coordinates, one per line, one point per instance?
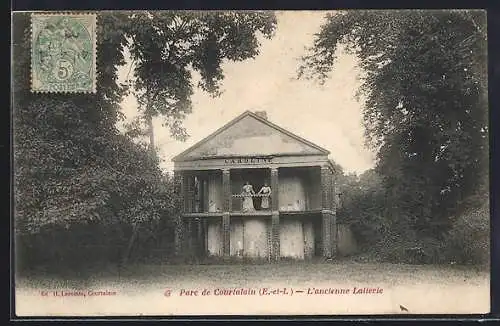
(256, 274)
(424, 289)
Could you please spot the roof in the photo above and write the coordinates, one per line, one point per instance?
(250, 135)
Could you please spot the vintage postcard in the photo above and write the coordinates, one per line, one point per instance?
(181, 163)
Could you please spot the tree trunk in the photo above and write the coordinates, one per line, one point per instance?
(151, 134)
(130, 244)
(149, 120)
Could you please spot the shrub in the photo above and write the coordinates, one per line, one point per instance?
(468, 241)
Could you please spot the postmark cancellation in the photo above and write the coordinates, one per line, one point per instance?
(63, 52)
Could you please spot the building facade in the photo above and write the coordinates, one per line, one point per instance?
(252, 189)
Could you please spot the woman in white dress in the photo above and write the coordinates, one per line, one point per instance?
(266, 192)
(247, 194)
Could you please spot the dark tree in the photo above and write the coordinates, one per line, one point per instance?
(72, 165)
(424, 87)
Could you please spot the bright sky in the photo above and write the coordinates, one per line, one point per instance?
(327, 115)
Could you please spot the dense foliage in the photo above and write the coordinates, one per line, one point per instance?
(362, 206)
(72, 167)
(424, 88)
(167, 47)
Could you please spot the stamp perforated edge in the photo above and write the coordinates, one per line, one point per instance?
(94, 49)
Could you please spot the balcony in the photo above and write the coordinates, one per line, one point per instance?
(298, 190)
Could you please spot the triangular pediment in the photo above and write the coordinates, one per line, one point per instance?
(250, 135)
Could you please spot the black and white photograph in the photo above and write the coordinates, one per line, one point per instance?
(187, 163)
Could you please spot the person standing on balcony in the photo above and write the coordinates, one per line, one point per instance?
(247, 195)
(266, 192)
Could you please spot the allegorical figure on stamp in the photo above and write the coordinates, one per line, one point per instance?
(63, 53)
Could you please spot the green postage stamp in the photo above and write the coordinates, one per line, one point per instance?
(63, 53)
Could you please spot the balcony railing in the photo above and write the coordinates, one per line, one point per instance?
(238, 203)
(237, 200)
(256, 195)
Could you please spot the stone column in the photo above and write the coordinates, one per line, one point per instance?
(333, 208)
(188, 191)
(179, 224)
(205, 236)
(325, 187)
(199, 240)
(274, 189)
(226, 190)
(275, 218)
(188, 205)
(189, 238)
(334, 233)
(184, 191)
(326, 212)
(226, 234)
(226, 222)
